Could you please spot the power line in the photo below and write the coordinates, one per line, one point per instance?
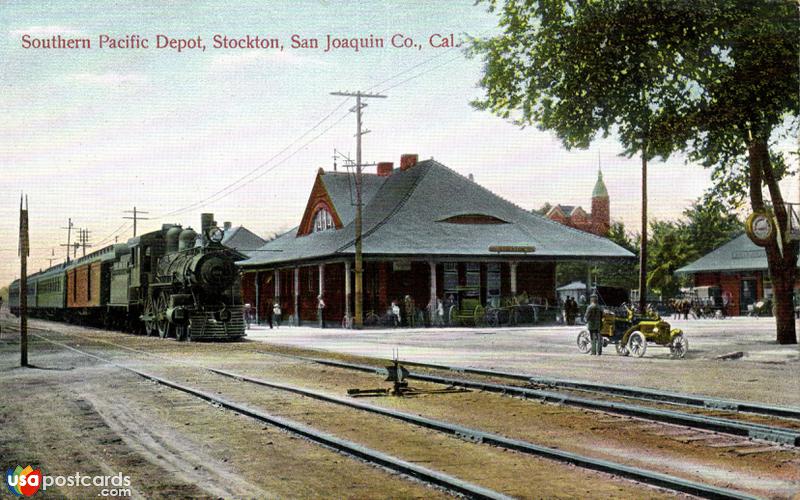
(200, 203)
(135, 218)
(237, 184)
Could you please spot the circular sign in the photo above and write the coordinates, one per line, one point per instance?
(759, 227)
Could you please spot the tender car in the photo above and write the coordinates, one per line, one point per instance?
(631, 333)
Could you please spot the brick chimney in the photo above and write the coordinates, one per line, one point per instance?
(385, 168)
(408, 160)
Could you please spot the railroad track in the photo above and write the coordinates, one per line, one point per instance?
(424, 474)
(639, 393)
(433, 477)
(774, 434)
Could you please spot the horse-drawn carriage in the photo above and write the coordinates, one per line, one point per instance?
(466, 308)
(631, 333)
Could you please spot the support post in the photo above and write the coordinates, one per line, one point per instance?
(513, 271)
(277, 280)
(347, 291)
(433, 304)
(321, 312)
(258, 296)
(297, 296)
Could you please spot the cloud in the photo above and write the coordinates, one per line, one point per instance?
(39, 31)
(110, 79)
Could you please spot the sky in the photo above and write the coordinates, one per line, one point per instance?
(89, 134)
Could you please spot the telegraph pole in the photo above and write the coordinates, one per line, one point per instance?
(135, 217)
(69, 234)
(52, 257)
(359, 313)
(85, 240)
(24, 252)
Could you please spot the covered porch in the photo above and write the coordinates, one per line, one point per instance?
(386, 280)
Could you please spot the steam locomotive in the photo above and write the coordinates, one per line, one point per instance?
(172, 282)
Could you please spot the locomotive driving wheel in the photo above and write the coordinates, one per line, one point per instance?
(150, 312)
(163, 324)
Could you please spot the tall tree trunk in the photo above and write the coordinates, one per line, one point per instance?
(781, 254)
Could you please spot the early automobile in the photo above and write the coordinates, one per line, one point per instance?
(631, 333)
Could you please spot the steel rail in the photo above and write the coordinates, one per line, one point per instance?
(477, 436)
(423, 474)
(628, 391)
(716, 424)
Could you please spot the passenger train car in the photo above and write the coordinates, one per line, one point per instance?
(171, 282)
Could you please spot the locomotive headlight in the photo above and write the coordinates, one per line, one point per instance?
(216, 234)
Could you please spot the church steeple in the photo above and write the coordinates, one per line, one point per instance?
(601, 206)
(600, 190)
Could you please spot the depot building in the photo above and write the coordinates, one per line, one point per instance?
(428, 232)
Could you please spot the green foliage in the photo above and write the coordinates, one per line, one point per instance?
(706, 225)
(709, 224)
(703, 75)
(4, 294)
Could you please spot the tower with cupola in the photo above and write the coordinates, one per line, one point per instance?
(601, 208)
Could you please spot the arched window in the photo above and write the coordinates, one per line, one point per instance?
(323, 220)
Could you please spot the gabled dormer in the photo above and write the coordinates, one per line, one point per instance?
(320, 214)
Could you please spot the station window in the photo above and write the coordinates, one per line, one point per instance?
(323, 220)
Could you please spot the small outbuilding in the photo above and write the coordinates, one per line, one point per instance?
(739, 268)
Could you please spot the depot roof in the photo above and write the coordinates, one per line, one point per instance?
(432, 210)
(739, 254)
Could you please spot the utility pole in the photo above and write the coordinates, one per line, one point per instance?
(643, 245)
(85, 240)
(24, 252)
(358, 322)
(69, 234)
(52, 257)
(135, 218)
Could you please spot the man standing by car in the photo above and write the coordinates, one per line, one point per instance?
(594, 320)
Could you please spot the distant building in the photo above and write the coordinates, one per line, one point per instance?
(242, 239)
(739, 269)
(597, 222)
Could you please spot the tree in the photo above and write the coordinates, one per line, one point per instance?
(714, 78)
(543, 209)
(709, 225)
(671, 248)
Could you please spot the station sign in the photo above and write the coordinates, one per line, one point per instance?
(512, 248)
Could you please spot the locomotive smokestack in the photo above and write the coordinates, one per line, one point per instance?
(206, 223)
